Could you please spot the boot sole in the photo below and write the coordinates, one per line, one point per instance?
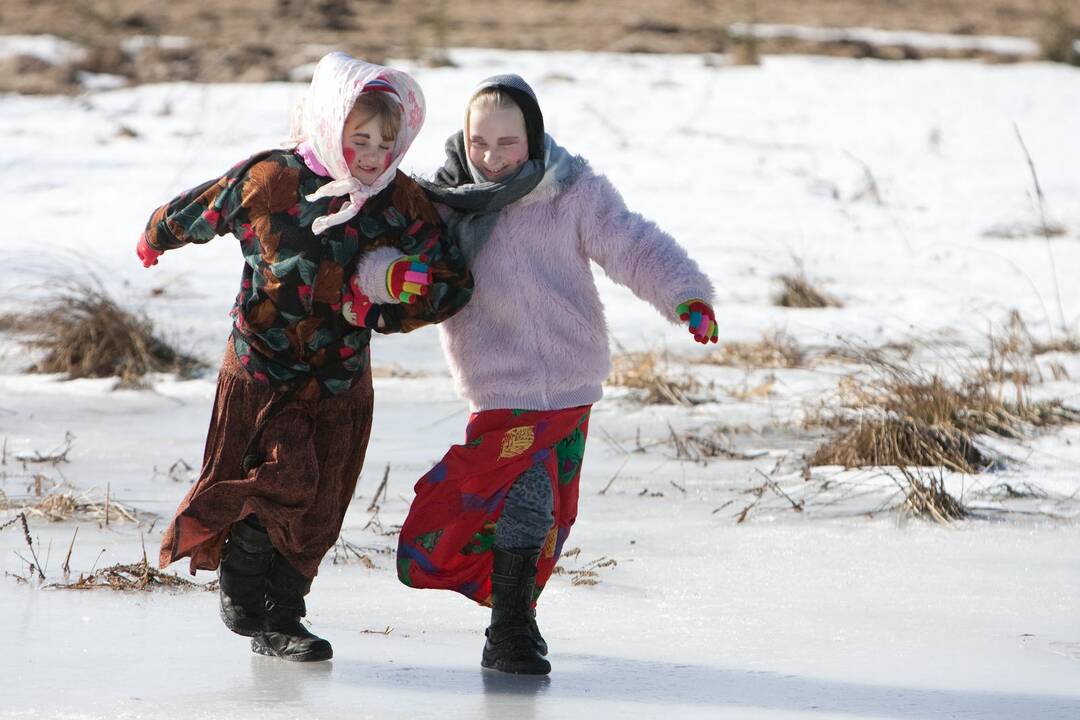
(317, 654)
(517, 669)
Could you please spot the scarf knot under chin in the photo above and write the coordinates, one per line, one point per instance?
(317, 126)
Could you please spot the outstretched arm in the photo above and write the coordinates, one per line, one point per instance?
(196, 215)
(636, 253)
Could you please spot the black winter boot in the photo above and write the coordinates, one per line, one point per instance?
(245, 562)
(511, 646)
(538, 639)
(283, 635)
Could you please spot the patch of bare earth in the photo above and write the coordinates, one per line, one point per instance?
(262, 40)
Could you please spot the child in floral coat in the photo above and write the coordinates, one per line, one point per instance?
(292, 415)
(529, 353)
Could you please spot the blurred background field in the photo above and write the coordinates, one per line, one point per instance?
(260, 40)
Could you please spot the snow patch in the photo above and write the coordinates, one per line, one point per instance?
(135, 43)
(49, 48)
(1003, 45)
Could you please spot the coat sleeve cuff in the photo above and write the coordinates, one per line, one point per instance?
(704, 294)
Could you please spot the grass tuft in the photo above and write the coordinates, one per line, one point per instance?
(906, 416)
(648, 374)
(82, 332)
(775, 350)
(798, 291)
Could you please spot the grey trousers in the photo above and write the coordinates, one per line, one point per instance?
(528, 513)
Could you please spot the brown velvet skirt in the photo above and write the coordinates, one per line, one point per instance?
(310, 453)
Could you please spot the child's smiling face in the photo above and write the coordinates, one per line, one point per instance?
(368, 152)
(497, 142)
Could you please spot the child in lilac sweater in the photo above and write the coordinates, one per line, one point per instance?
(529, 352)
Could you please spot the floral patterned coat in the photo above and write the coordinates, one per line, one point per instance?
(288, 329)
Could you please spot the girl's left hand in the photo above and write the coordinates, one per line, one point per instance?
(700, 319)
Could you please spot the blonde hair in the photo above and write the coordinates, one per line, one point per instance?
(379, 104)
(489, 98)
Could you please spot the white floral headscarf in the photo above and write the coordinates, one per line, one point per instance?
(337, 82)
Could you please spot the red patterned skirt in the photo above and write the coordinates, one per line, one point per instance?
(446, 540)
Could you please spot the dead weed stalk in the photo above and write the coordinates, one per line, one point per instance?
(648, 374)
(588, 574)
(65, 505)
(140, 576)
(702, 445)
(925, 496)
(776, 349)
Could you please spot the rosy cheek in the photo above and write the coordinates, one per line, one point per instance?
(350, 155)
(387, 160)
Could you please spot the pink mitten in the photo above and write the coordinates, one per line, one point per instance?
(147, 254)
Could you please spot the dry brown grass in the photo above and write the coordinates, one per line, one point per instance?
(798, 291)
(233, 35)
(1013, 352)
(1012, 357)
(1058, 35)
(1068, 344)
(905, 416)
(83, 332)
(123, 576)
(744, 48)
(1023, 230)
(775, 350)
(759, 391)
(132, 576)
(852, 353)
(705, 444)
(62, 504)
(587, 574)
(346, 552)
(648, 373)
(925, 496)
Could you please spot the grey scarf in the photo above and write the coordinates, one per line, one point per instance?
(476, 205)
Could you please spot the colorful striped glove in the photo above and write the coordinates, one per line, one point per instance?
(700, 318)
(408, 278)
(147, 254)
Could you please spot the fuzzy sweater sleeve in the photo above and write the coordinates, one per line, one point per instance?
(634, 252)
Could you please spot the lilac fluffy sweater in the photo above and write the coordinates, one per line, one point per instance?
(533, 336)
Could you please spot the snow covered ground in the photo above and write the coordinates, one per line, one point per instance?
(888, 182)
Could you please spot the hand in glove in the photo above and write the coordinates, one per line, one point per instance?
(147, 254)
(700, 319)
(408, 277)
